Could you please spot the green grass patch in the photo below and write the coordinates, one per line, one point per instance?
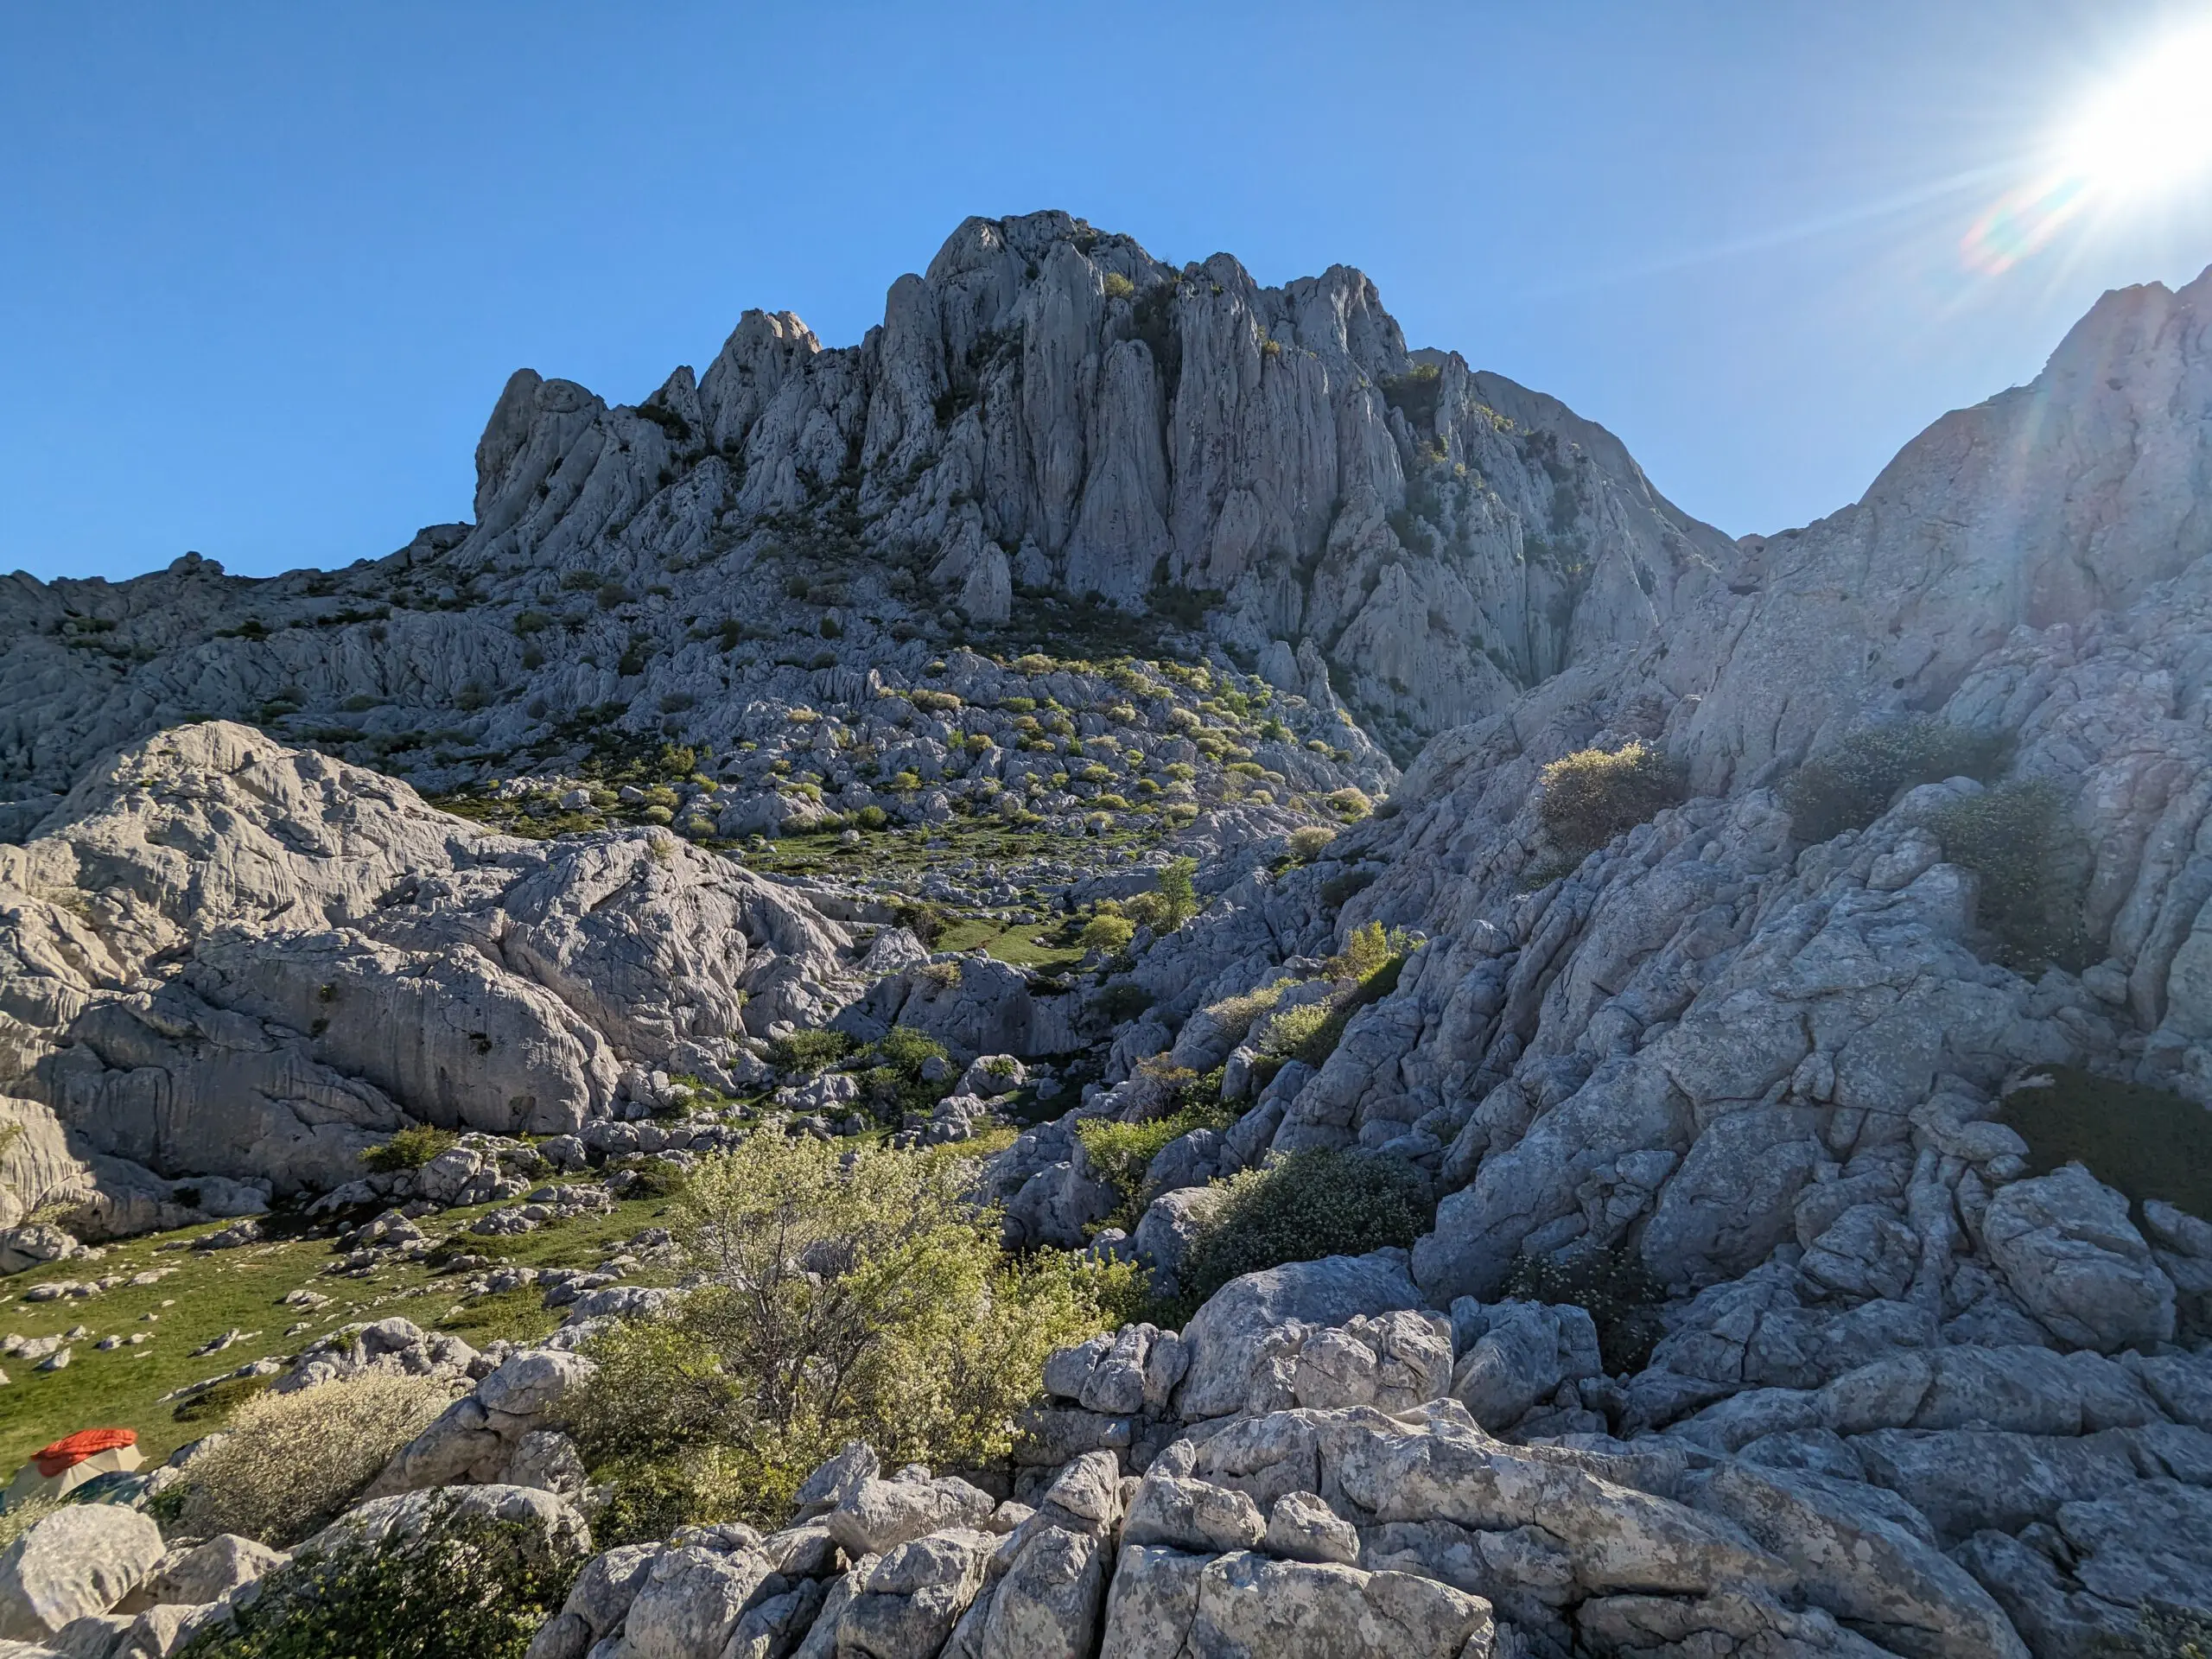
(215, 1292)
(2145, 1142)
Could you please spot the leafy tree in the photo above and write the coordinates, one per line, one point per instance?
(838, 1295)
(1176, 888)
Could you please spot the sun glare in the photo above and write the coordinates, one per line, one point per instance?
(2151, 129)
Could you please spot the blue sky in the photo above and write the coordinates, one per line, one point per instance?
(264, 269)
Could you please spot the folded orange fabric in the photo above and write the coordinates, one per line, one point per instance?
(72, 1449)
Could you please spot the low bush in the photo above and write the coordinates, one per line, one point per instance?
(1591, 796)
(1303, 1207)
(894, 1082)
(924, 920)
(1309, 843)
(1237, 1014)
(410, 1148)
(1852, 785)
(1289, 1033)
(1350, 803)
(1613, 1287)
(1124, 999)
(290, 1463)
(1106, 933)
(657, 1178)
(1372, 959)
(2144, 1142)
(809, 1051)
(1123, 1153)
(838, 1295)
(2032, 864)
(459, 1586)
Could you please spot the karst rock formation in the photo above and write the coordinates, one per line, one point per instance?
(1913, 1395)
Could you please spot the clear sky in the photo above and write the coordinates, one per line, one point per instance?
(265, 268)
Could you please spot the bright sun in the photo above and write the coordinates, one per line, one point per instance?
(2150, 129)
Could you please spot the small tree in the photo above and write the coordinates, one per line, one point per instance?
(1176, 888)
(836, 1299)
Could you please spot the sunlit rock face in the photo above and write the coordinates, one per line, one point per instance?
(1048, 411)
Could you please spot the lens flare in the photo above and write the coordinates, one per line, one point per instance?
(2021, 223)
(2144, 133)
(2151, 129)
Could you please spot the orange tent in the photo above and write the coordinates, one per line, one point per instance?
(57, 1469)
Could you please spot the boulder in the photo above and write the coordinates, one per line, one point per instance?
(81, 1560)
(2068, 1250)
(876, 1515)
(1227, 1337)
(1519, 1355)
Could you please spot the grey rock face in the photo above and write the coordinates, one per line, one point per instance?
(2069, 1253)
(351, 958)
(1227, 1338)
(77, 1561)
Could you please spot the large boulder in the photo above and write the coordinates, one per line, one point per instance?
(2075, 1261)
(1519, 1353)
(80, 1560)
(1244, 1603)
(1227, 1339)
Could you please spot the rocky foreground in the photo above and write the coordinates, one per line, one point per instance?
(1919, 1373)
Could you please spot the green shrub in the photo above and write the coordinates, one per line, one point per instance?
(2145, 1142)
(461, 1587)
(923, 919)
(1613, 1287)
(2031, 862)
(1301, 1208)
(1123, 999)
(290, 1462)
(1176, 891)
(1349, 804)
(894, 1082)
(657, 1177)
(410, 1148)
(1338, 889)
(1852, 785)
(839, 1295)
(1107, 934)
(1119, 287)
(1309, 843)
(1121, 1153)
(809, 1050)
(1372, 959)
(871, 818)
(1292, 1031)
(1591, 796)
